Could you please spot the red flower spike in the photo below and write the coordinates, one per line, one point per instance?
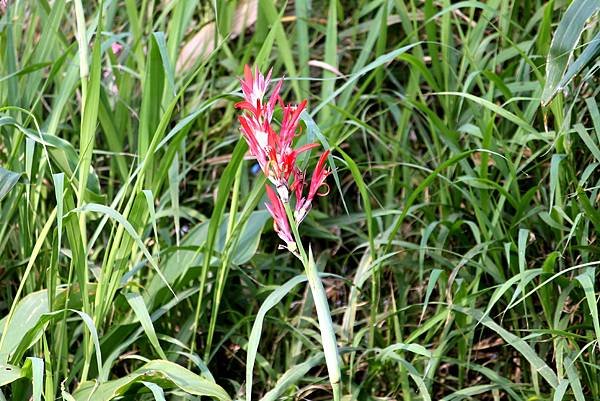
(274, 152)
(320, 173)
(280, 220)
(289, 123)
(255, 136)
(270, 106)
(299, 182)
(256, 127)
(254, 87)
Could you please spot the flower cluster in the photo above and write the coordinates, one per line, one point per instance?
(275, 153)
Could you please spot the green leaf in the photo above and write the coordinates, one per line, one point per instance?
(152, 93)
(189, 253)
(591, 51)
(249, 239)
(26, 314)
(494, 108)
(35, 331)
(364, 193)
(9, 374)
(136, 302)
(37, 376)
(225, 183)
(163, 373)
(252, 349)
(470, 392)
(291, 377)
(159, 37)
(313, 129)
(285, 50)
(379, 61)
(589, 142)
(587, 279)
(118, 217)
(414, 348)
(412, 372)
(433, 278)
(554, 176)
(328, 341)
(592, 213)
(157, 391)
(330, 58)
(561, 390)
(89, 117)
(563, 44)
(518, 343)
(573, 376)
(8, 179)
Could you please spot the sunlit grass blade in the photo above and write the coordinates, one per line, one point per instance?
(166, 372)
(8, 179)
(252, 348)
(136, 302)
(564, 41)
(328, 338)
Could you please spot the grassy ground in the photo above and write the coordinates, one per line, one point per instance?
(460, 237)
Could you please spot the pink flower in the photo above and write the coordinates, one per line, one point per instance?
(256, 135)
(289, 124)
(275, 153)
(280, 220)
(116, 48)
(303, 205)
(298, 184)
(254, 88)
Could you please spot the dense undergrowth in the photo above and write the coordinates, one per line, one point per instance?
(459, 240)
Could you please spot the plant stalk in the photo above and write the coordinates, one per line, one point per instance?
(323, 313)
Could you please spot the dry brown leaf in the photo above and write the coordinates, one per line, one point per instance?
(203, 42)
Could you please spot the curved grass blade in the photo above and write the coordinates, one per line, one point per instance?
(591, 51)
(573, 377)
(9, 374)
(158, 372)
(118, 217)
(215, 221)
(412, 372)
(291, 377)
(564, 42)
(379, 61)
(273, 299)
(136, 302)
(330, 349)
(8, 179)
(518, 343)
(4, 352)
(157, 391)
(313, 129)
(586, 279)
(37, 376)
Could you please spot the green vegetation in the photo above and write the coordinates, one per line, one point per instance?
(458, 244)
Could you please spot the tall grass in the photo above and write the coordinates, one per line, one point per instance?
(458, 247)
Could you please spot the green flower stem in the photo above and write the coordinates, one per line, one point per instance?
(292, 221)
(323, 313)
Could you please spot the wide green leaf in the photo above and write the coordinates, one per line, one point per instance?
(166, 374)
(25, 317)
(8, 179)
(563, 44)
